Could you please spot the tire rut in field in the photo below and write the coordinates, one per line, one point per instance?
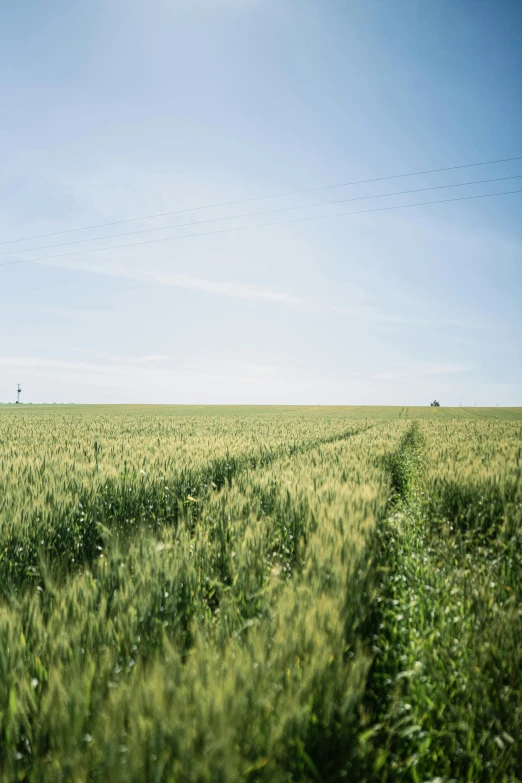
(153, 638)
(79, 535)
(443, 696)
(377, 736)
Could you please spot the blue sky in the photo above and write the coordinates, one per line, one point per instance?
(114, 110)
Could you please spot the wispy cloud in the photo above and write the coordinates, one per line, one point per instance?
(443, 368)
(197, 379)
(120, 358)
(233, 289)
(416, 369)
(388, 375)
(36, 363)
(113, 357)
(373, 314)
(237, 290)
(63, 311)
(144, 366)
(247, 291)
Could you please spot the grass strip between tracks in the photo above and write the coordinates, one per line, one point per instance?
(444, 696)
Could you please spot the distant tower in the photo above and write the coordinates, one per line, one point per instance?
(18, 393)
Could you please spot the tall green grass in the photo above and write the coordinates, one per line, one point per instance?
(445, 692)
(259, 595)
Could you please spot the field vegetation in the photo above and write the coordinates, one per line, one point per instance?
(260, 594)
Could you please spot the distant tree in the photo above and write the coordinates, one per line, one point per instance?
(435, 404)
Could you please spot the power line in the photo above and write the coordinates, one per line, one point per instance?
(260, 225)
(261, 198)
(257, 214)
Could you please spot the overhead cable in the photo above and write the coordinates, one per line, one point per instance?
(259, 225)
(261, 198)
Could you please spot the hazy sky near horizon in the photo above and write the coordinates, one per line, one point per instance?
(114, 110)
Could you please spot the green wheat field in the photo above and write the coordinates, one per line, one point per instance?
(200, 594)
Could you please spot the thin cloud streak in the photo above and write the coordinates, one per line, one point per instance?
(443, 368)
(220, 288)
(372, 314)
(246, 291)
(128, 377)
(35, 363)
(421, 369)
